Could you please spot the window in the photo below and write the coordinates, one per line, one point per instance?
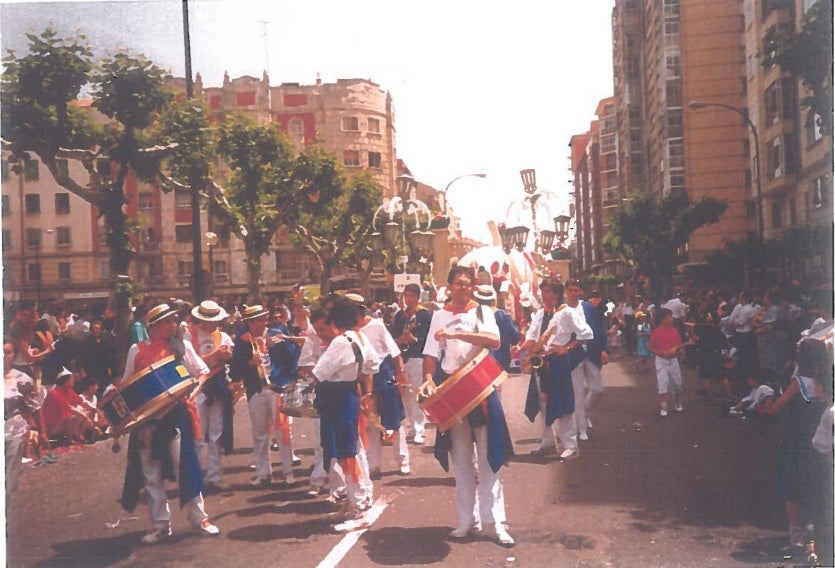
(676, 150)
(673, 91)
(776, 215)
(296, 127)
(781, 156)
(104, 269)
(374, 125)
(6, 206)
(33, 272)
(819, 193)
(375, 160)
(32, 203)
(62, 203)
(184, 269)
(350, 123)
(813, 128)
(750, 211)
(779, 101)
(182, 232)
(672, 62)
(33, 238)
(670, 7)
(182, 199)
(146, 201)
(220, 272)
(7, 239)
(351, 158)
(607, 144)
(32, 170)
(63, 166)
(671, 27)
(675, 128)
(64, 271)
(245, 98)
(62, 237)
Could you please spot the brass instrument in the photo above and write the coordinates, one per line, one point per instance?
(410, 329)
(534, 359)
(259, 365)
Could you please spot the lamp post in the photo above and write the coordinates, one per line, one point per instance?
(517, 236)
(696, 105)
(38, 263)
(453, 181)
(211, 242)
(403, 204)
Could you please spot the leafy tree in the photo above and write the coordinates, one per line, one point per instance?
(260, 162)
(649, 231)
(39, 116)
(328, 214)
(807, 55)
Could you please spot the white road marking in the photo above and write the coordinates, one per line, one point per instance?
(342, 548)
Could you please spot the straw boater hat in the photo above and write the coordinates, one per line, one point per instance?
(485, 293)
(356, 298)
(254, 312)
(208, 311)
(159, 313)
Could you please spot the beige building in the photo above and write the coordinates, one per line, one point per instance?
(53, 245)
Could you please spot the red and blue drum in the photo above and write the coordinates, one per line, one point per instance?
(464, 390)
(147, 394)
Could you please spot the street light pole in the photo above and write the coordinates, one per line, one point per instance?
(456, 179)
(696, 105)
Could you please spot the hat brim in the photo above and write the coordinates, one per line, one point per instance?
(160, 317)
(256, 315)
(195, 313)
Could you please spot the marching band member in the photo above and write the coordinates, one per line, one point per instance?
(411, 326)
(457, 333)
(251, 364)
(551, 292)
(386, 392)
(165, 446)
(317, 337)
(214, 402)
(344, 372)
(568, 331)
(587, 377)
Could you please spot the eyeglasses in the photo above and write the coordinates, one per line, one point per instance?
(461, 284)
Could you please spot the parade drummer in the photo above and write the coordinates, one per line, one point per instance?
(344, 372)
(411, 326)
(214, 401)
(251, 363)
(459, 332)
(387, 383)
(165, 447)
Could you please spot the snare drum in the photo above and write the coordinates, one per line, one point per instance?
(297, 399)
(147, 394)
(464, 390)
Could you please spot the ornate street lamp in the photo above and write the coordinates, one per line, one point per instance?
(561, 225)
(404, 204)
(535, 200)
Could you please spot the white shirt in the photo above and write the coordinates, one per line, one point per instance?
(742, 316)
(534, 330)
(206, 342)
(16, 426)
(380, 338)
(339, 363)
(456, 351)
(312, 349)
(567, 321)
(677, 307)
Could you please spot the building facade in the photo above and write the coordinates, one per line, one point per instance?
(53, 242)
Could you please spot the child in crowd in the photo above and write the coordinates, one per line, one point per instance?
(759, 396)
(665, 343)
(614, 337)
(642, 331)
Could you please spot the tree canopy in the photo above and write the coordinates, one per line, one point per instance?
(649, 231)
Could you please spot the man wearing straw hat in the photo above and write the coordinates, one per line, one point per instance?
(214, 402)
(164, 448)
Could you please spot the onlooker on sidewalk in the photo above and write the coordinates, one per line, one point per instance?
(665, 343)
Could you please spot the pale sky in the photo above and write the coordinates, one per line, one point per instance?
(478, 86)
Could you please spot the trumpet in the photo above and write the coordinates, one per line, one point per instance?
(533, 359)
(410, 339)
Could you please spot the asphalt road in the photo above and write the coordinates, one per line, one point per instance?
(696, 489)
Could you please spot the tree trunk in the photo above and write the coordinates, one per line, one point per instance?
(325, 278)
(253, 277)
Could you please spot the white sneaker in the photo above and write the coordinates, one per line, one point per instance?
(462, 531)
(679, 407)
(405, 470)
(157, 536)
(588, 423)
(419, 439)
(584, 436)
(663, 412)
(569, 454)
(502, 536)
(206, 528)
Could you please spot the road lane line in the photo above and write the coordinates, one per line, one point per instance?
(342, 548)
